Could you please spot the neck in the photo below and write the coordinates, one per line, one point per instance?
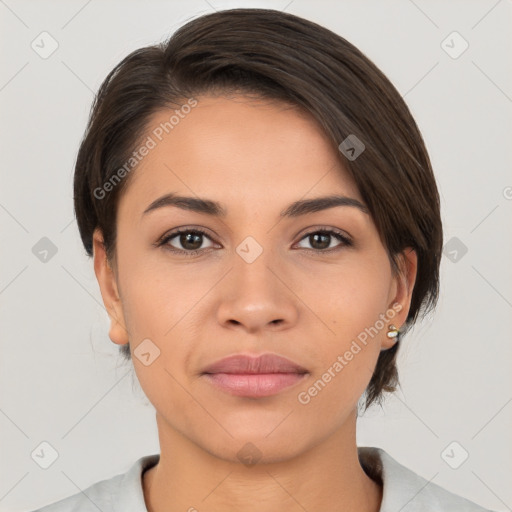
(328, 476)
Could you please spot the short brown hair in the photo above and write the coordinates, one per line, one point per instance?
(283, 57)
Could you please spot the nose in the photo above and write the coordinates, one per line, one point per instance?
(257, 296)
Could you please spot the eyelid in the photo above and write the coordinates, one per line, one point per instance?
(330, 229)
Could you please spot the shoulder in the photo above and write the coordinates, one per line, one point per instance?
(120, 493)
(405, 490)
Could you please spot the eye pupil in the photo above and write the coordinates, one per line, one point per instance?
(316, 236)
(186, 238)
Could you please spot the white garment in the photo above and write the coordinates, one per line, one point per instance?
(403, 490)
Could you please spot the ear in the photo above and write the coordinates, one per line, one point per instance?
(109, 291)
(401, 292)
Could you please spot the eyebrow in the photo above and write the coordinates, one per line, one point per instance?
(213, 208)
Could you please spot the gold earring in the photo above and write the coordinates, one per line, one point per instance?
(392, 331)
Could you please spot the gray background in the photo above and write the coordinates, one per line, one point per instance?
(61, 379)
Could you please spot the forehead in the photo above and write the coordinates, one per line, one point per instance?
(237, 149)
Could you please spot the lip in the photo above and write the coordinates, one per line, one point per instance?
(254, 377)
(253, 385)
(262, 364)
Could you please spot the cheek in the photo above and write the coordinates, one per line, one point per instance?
(350, 296)
(350, 305)
(156, 295)
(159, 307)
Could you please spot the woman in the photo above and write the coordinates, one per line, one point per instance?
(265, 227)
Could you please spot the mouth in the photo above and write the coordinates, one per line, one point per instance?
(254, 377)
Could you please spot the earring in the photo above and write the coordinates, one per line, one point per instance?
(392, 331)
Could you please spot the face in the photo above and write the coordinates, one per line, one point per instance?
(305, 286)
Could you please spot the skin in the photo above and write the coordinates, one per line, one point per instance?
(255, 158)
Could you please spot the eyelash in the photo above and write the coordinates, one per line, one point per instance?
(346, 242)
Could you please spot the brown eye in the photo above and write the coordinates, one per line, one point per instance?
(190, 241)
(186, 241)
(321, 240)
